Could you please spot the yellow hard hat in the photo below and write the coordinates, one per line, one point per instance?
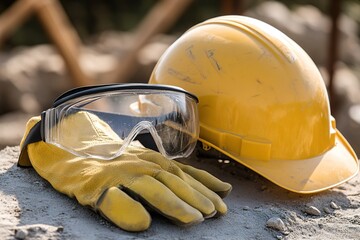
(262, 102)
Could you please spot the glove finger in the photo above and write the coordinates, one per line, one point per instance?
(188, 194)
(160, 198)
(123, 211)
(221, 188)
(219, 204)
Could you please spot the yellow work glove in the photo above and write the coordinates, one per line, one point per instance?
(118, 188)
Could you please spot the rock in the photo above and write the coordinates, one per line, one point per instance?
(31, 78)
(354, 113)
(346, 83)
(311, 210)
(247, 226)
(20, 233)
(310, 28)
(333, 205)
(327, 210)
(246, 208)
(97, 64)
(39, 231)
(60, 229)
(276, 223)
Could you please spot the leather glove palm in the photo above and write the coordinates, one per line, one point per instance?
(118, 188)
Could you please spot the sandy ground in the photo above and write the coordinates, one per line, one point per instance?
(31, 209)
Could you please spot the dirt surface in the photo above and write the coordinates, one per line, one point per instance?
(31, 209)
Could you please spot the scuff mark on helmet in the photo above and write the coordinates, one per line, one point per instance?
(210, 55)
(190, 53)
(180, 76)
(197, 64)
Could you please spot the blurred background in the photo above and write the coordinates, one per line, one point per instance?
(50, 46)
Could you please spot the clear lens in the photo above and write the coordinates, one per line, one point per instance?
(102, 126)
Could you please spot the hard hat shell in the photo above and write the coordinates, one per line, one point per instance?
(262, 102)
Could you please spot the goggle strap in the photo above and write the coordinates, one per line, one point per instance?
(96, 89)
(33, 137)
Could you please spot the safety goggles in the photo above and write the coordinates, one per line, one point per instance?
(162, 118)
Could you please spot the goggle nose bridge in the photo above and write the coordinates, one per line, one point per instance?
(138, 128)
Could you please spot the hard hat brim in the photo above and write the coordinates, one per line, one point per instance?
(332, 168)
